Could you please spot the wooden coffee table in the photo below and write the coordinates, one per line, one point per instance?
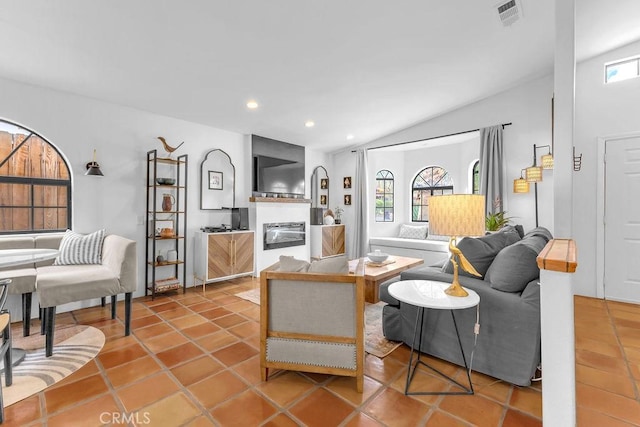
(374, 275)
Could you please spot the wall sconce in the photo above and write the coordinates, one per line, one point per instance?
(93, 168)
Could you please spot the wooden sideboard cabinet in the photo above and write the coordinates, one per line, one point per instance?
(224, 255)
(327, 240)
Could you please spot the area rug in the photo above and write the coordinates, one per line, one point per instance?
(375, 342)
(75, 346)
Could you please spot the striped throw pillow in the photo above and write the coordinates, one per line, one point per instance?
(78, 249)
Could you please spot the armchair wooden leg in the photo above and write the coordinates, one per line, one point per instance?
(103, 301)
(114, 300)
(26, 314)
(127, 314)
(50, 320)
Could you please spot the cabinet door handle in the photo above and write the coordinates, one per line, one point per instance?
(231, 252)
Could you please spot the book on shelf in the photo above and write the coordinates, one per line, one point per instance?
(167, 284)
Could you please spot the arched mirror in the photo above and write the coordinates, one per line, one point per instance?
(320, 188)
(217, 181)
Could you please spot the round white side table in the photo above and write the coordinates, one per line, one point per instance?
(430, 294)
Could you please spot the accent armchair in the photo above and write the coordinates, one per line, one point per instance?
(312, 322)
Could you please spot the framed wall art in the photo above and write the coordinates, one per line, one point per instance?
(346, 182)
(215, 180)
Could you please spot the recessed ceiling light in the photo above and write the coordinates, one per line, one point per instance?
(252, 105)
(309, 123)
(350, 137)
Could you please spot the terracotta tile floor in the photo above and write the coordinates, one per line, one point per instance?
(192, 360)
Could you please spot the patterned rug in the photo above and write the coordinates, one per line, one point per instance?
(74, 347)
(375, 342)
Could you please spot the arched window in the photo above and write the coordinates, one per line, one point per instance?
(384, 196)
(475, 178)
(35, 184)
(431, 181)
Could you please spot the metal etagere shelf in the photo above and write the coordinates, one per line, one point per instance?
(163, 275)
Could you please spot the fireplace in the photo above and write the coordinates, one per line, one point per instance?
(284, 234)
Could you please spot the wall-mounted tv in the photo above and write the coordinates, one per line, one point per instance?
(278, 167)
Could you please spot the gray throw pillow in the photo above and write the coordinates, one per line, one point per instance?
(338, 265)
(515, 266)
(291, 264)
(413, 231)
(481, 251)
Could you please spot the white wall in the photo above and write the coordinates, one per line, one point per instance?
(601, 110)
(122, 136)
(527, 106)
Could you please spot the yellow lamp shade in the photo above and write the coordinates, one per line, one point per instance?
(520, 185)
(533, 174)
(457, 215)
(547, 161)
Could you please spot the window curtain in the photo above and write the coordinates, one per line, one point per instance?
(360, 241)
(491, 168)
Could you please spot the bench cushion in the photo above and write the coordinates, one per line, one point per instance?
(60, 284)
(23, 280)
(420, 244)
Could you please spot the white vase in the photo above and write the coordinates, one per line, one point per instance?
(328, 220)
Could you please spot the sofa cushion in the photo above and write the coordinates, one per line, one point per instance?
(338, 265)
(481, 251)
(78, 249)
(515, 266)
(291, 264)
(413, 231)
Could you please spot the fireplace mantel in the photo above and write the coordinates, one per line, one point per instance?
(278, 200)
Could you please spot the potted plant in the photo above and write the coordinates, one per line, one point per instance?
(497, 219)
(338, 212)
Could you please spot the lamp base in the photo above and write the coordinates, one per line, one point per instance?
(455, 290)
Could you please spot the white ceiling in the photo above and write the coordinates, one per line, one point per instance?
(366, 68)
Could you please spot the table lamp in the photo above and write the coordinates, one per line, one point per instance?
(456, 215)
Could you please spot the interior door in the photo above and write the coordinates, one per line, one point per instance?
(622, 220)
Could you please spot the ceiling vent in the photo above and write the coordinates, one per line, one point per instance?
(509, 12)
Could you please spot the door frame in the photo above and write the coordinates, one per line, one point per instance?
(600, 206)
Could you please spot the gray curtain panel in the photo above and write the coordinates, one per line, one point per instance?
(359, 246)
(491, 168)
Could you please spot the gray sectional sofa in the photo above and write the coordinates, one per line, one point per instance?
(508, 345)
